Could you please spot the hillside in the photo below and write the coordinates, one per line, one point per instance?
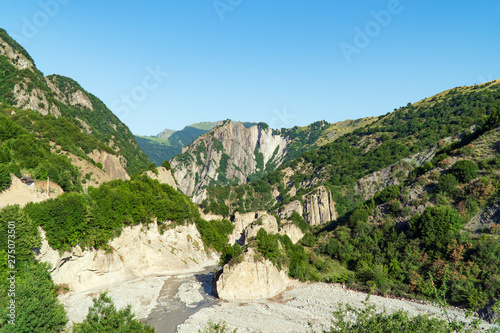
(73, 118)
(168, 143)
(415, 197)
(237, 153)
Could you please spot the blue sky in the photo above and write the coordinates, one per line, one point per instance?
(284, 63)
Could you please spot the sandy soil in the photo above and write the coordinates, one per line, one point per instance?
(20, 194)
(293, 309)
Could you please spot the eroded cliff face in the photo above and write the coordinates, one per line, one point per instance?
(317, 208)
(253, 278)
(230, 153)
(138, 252)
(164, 176)
(112, 164)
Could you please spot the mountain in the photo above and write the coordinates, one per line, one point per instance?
(236, 153)
(168, 143)
(408, 205)
(72, 118)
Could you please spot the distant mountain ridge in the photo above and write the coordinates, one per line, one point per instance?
(237, 153)
(168, 143)
(61, 99)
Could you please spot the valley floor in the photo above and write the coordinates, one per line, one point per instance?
(293, 309)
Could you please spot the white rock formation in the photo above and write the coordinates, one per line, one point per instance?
(251, 279)
(318, 207)
(137, 253)
(112, 164)
(164, 176)
(292, 231)
(200, 162)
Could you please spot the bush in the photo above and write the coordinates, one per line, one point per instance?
(437, 226)
(389, 193)
(465, 170)
(368, 320)
(104, 317)
(447, 184)
(4, 177)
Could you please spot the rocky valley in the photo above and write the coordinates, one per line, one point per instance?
(242, 226)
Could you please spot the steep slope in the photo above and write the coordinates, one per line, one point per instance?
(236, 153)
(338, 165)
(168, 143)
(424, 226)
(24, 87)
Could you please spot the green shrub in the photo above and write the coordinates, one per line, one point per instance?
(465, 170)
(104, 317)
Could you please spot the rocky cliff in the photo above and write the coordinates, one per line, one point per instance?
(317, 208)
(138, 252)
(163, 175)
(253, 278)
(230, 153)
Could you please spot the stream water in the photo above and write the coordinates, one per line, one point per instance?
(180, 297)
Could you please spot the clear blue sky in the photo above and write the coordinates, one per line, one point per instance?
(282, 62)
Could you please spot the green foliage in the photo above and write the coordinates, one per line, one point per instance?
(368, 320)
(269, 246)
(300, 222)
(437, 226)
(104, 317)
(166, 165)
(22, 230)
(159, 150)
(37, 306)
(4, 177)
(465, 170)
(447, 184)
(214, 234)
(389, 193)
(216, 327)
(91, 220)
(20, 149)
(231, 253)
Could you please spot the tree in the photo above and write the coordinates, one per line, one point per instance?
(166, 165)
(4, 177)
(465, 170)
(437, 226)
(104, 317)
(37, 306)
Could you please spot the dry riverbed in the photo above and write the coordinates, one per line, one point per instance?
(293, 309)
(183, 304)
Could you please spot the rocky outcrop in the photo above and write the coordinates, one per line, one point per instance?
(112, 164)
(138, 252)
(253, 278)
(317, 208)
(292, 231)
(229, 153)
(164, 176)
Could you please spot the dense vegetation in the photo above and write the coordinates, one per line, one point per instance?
(104, 128)
(406, 131)
(91, 220)
(37, 308)
(23, 152)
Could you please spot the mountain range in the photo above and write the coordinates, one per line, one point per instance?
(405, 204)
